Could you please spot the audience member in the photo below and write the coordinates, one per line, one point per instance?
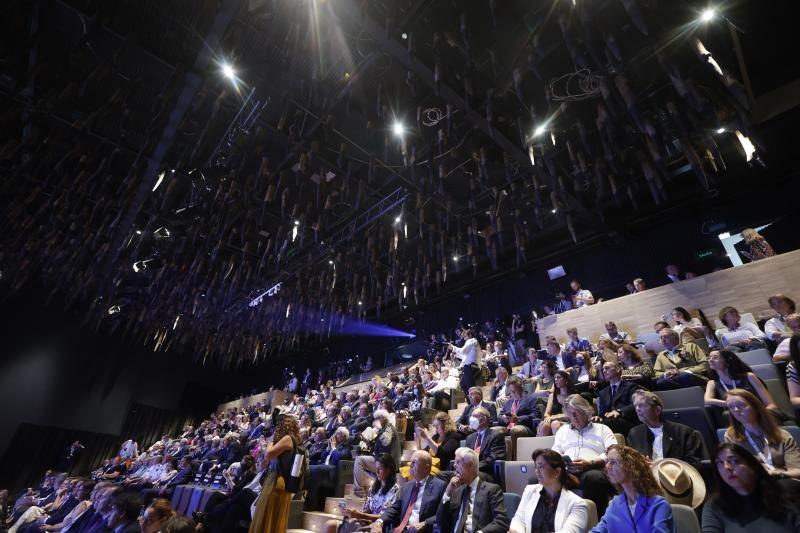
(688, 327)
(673, 273)
(179, 524)
(242, 493)
(783, 351)
(380, 497)
(585, 443)
(580, 297)
(442, 445)
(658, 439)
(415, 507)
(562, 304)
(614, 334)
(738, 336)
(520, 413)
(753, 428)
(679, 365)
(550, 505)
(563, 360)
(614, 404)
(728, 372)
(747, 497)
(124, 513)
(634, 368)
(499, 392)
(776, 328)
(488, 444)
(792, 369)
(758, 247)
(639, 506)
(475, 396)
(554, 415)
(469, 503)
(470, 358)
(386, 440)
(532, 368)
(639, 285)
(578, 346)
(155, 516)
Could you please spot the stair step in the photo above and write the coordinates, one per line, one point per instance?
(315, 521)
(299, 531)
(332, 505)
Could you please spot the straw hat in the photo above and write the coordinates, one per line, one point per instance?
(680, 481)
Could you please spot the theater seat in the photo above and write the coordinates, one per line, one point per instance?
(685, 519)
(518, 475)
(765, 372)
(695, 418)
(682, 398)
(512, 502)
(756, 357)
(344, 475)
(778, 392)
(527, 445)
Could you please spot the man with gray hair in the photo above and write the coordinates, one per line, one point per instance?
(414, 509)
(469, 503)
(585, 443)
(680, 365)
(386, 441)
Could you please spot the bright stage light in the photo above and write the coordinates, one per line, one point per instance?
(708, 14)
(538, 131)
(228, 72)
(398, 129)
(720, 131)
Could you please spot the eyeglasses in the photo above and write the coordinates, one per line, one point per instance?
(738, 407)
(731, 461)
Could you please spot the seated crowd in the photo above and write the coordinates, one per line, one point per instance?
(615, 452)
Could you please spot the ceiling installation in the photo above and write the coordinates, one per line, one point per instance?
(234, 179)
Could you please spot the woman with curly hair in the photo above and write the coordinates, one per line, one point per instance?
(272, 507)
(639, 506)
(633, 367)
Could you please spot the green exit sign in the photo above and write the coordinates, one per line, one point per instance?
(704, 254)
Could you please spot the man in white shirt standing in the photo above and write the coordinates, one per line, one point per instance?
(470, 356)
(585, 443)
(581, 297)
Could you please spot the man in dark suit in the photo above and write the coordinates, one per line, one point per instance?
(469, 502)
(520, 412)
(658, 439)
(563, 360)
(414, 509)
(402, 399)
(124, 514)
(489, 445)
(475, 400)
(614, 402)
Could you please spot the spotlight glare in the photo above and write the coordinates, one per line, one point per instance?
(398, 129)
(720, 130)
(397, 220)
(553, 210)
(360, 303)
(296, 222)
(404, 36)
(455, 258)
(538, 131)
(228, 72)
(708, 14)
(330, 261)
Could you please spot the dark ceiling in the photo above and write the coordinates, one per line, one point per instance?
(162, 198)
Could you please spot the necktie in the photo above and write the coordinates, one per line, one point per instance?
(411, 502)
(478, 443)
(514, 406)
(464, 512)
(613, 391)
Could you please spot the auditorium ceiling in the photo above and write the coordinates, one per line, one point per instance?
(238, 179)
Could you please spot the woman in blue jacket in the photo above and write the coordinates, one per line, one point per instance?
(639, 506)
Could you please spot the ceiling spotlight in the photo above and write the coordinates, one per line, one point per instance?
(228, 72)
(360, 303)
(296, 222)
(725, 235)
(330, 261)
(404, 36)
(114, 309)
(538, 131)
(720, 130)
(455, 258)
(553, 210)
(397, 219)
(398, 129)
(708, 14)
(138, 232)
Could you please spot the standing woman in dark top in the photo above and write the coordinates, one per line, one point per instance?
(442, 444)
(272, 507)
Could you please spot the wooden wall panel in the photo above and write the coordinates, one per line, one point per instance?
(745, 287)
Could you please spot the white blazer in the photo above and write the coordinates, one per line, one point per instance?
(572, 515)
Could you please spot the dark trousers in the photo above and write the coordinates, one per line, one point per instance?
(320, 484)
(225, 517)
(468, 375)
(680, 381)
(596, 487)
